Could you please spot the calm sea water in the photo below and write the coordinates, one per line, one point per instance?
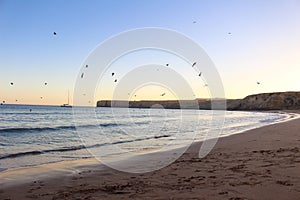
(33, 135)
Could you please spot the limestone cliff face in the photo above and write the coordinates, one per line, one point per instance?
(202, 104)
(171, 104)
(267, 101)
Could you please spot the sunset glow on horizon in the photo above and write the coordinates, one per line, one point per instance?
(248, 41)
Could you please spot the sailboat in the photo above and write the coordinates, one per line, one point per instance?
(67, 105)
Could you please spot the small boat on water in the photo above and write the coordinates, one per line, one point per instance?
(67, 105)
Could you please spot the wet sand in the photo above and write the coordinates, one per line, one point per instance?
(262, 163)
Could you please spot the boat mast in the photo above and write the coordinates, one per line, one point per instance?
(68, 96)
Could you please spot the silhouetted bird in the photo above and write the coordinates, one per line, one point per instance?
(116, 80)
(257, 83)
(54, 33)
(194, 22)
(11, 83)
(112, 74)
(194, 64)
(82, 75)
(229, 33)
(205, 85)
(86, 66)
(167, 64)
(16, 99)
(45, 83)
(163, 94)
(200, 74)
(41, 97)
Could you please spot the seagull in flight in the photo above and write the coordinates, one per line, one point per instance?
(163, 94)
(193, 65)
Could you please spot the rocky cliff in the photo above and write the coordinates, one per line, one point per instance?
(265, 101)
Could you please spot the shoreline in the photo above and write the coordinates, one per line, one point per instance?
(289, 115)
(249, 147)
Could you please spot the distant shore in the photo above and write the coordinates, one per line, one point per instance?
(262, 163)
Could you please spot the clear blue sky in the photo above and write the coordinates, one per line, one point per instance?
(264, 44)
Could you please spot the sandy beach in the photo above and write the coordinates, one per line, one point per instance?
(262, 163)
(154, 100)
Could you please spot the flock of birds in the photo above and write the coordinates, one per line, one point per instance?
(116, 80)
(167, 64)
(12, 84)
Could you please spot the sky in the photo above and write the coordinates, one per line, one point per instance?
(249, 41)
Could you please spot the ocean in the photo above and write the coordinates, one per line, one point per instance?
(34, 135)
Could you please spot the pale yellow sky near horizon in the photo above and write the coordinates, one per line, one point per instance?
(248, 41)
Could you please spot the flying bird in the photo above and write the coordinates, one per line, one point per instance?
(194, 22)
(167, 64)
(205, 85)
(41, 97)
(257, 83)
(116, 80)
(200, 74)
(11, 83)
(112, 74)
(54, 33)
(163, 94)
(82, 75)
(193, 65)
(86, 66)
(45, 83)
